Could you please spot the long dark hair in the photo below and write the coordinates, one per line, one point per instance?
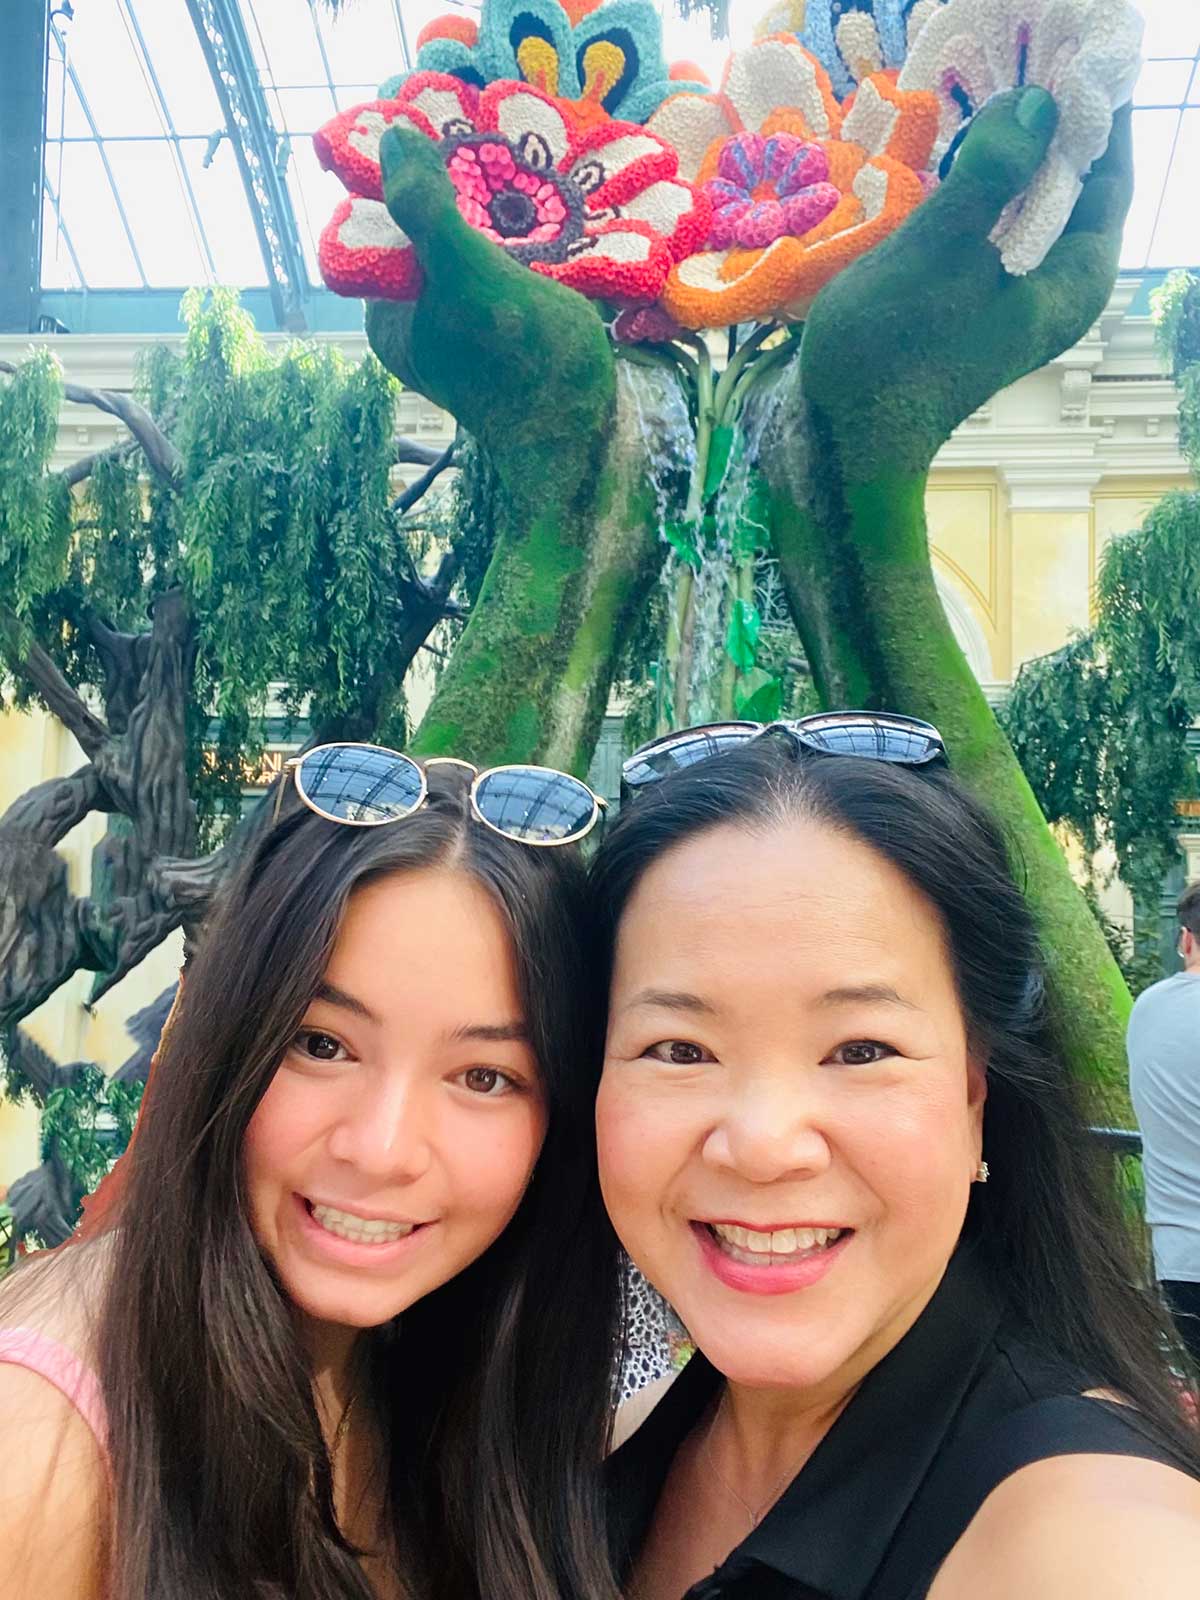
(1049, 1223)
(492, 1391)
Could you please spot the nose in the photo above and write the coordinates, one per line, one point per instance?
(386, 1130)
(768, 1128)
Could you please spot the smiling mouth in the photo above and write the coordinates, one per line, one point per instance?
(781, 1247)
(359, 1230)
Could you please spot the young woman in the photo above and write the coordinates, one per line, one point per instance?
(837, 1134)
(311, 1358)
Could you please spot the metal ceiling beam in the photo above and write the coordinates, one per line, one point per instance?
(256, 143)
(23, 62)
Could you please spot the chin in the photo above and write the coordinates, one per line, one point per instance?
(343, 1306)
(799, 1355)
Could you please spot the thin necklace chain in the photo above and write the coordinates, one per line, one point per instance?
(755, 1515)
(339, 1433)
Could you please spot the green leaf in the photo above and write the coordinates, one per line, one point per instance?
(762, 699)
(719, 449)
(741, 637)
(681, 536)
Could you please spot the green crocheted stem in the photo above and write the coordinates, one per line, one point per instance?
(898, 351)
(524, 363)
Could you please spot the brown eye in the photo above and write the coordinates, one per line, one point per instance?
(488, 1081)
(678, 1052)
(862, 1053)
(318, 1046)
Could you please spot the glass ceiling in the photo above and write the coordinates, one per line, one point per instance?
(143, 190)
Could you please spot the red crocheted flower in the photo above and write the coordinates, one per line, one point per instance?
(600, 208)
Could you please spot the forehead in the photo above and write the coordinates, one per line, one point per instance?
(795, 901)
(432, 933)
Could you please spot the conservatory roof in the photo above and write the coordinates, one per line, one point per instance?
(143, 188)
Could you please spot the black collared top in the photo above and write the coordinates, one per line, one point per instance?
(961, 1402)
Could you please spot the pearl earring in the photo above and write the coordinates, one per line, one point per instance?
(981, 1172)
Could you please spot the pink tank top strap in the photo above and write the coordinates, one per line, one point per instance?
(24, 1347)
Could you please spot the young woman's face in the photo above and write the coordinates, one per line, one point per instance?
(789, 1120)
(398, 1135)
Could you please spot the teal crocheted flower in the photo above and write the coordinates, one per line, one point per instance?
(606, 56)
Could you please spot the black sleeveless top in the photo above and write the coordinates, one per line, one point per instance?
(961, 1403)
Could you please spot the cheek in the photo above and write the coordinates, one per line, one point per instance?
(642, 1137)
(916, 1150)
(493, 1160)
(289, 1121)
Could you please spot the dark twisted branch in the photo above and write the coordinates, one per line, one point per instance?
(28, 658)
(411, 453)
(406, 500)
(157, 448)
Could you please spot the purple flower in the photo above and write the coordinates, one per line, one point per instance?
(768, 188)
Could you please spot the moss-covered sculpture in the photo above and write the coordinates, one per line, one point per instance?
(935, 249)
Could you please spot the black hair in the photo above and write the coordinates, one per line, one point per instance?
(1050, 1222)
(492, 1391)
(1188, 910)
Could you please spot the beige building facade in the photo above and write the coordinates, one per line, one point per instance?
(1022, 501)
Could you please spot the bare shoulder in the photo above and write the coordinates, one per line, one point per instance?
(1109, 1527)
(638, 1407)
(54, 1496)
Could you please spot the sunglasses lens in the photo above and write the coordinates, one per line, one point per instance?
(535, 806)
(357, 783)
(903, 741)
(683, 749)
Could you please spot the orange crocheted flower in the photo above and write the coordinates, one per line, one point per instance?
(761, 260)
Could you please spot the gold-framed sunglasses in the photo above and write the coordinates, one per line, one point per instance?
(369, 786)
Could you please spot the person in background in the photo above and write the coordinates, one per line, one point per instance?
(1164, 1083)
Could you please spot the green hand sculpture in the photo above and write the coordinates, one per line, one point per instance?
(525, 364)
(897, 352)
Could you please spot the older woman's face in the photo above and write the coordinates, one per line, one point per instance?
(789, 1120)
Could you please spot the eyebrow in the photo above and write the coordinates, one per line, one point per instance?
(492, 1032)
(488, 1032)
(332, 995)
(866, 993)
(671, 1000)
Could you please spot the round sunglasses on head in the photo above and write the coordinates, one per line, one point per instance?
(368, 786)
(874, 735)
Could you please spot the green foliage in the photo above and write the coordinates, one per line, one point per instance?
(1177, 314)
(278, 527)
(34, 505)
(1057, 720)
(1100, 726)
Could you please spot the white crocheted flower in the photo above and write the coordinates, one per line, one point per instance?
(1085, 52)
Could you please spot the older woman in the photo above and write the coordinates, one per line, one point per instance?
(836, 1133)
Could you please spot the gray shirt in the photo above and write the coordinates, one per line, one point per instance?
(1164, 1082)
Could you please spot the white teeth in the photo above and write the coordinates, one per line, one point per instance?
(752, 1245)
(360, 1230)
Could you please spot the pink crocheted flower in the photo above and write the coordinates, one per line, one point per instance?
(768, 189)
(599, 207)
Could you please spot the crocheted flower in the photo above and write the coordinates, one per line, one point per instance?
(824, 182)
(606, 58)
(645, 324)
(766, 189)
(1085, 52)
(601, 208)
(854, 38)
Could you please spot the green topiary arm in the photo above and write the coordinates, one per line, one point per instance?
(524, 363)
(898, 351)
